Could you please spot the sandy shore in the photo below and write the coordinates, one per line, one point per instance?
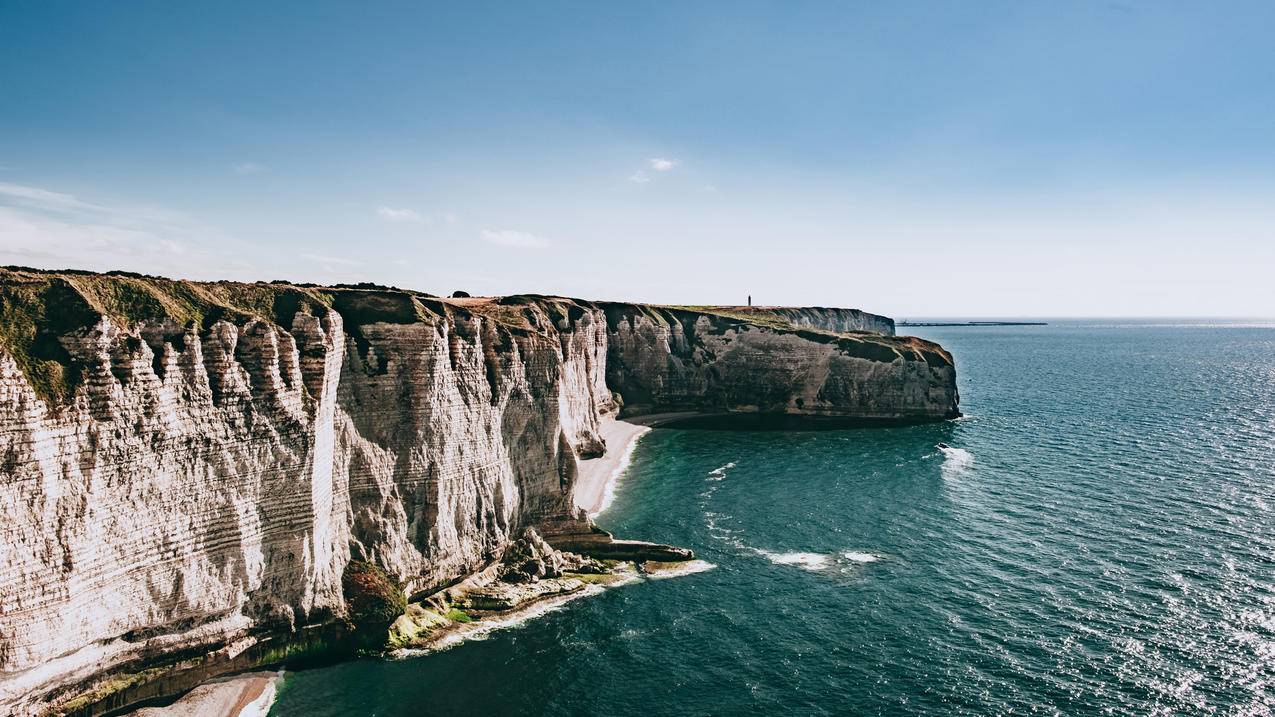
(246, 695)
(595, 484)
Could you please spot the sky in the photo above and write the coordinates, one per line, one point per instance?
(981, 159)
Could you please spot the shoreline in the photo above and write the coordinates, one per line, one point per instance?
(247, 694)
(485, 622)
(598, 477)
(251, 694)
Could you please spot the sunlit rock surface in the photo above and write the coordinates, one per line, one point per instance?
(188, 466)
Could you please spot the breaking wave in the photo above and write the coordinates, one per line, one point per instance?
(955, 461)
(689, 567)
(855, 556)
(806, 561)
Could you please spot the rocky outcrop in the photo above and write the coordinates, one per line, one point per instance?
(664, 359)
(190, 469)
(597, 543)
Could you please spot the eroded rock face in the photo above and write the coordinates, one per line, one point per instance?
(210, 478)
(835, 320)
(664, 360)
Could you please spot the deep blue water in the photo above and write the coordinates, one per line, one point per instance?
(1101, 544)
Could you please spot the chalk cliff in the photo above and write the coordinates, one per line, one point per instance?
(187, 469)
(673, 359)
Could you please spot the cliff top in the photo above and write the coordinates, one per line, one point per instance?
(37, 307)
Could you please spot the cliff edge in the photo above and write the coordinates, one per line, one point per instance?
(189, 469)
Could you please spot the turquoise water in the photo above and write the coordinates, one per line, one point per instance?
(1102, 543)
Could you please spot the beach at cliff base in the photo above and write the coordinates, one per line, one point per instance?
(597, 477)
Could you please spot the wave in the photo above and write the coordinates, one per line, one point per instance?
(806, 561)
(613, 479)
(818, 562)
(720, 472)
(481, 629)
(814, 562)
(955, 461)
(855, 556)
(689, 567)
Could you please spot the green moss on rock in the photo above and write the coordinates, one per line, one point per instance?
(374, 601)
(457, 615)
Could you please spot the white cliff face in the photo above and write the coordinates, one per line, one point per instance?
(836, 320)
(671, 360)
(226, 484)
(204, 485)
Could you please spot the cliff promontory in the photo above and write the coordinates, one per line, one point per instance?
(192, 469)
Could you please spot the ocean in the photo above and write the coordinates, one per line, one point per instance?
(1098, 540)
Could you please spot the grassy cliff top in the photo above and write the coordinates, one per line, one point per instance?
(862, 344)
(37, 307)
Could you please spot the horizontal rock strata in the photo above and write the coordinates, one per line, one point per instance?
(671, 360)
(187, 466)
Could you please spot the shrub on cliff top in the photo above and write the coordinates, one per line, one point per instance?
(374, 601)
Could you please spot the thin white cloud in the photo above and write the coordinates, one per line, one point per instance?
(57, 230)
(44, 199)
(515, 239)
(391, 214)
(640, 177)
(661, 164)
(31, 238)
(249, 168)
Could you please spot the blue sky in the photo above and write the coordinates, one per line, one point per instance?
(911, 158)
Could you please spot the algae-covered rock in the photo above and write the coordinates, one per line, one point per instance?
(374, 602)
(415, 624)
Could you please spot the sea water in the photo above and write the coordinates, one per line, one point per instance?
(1098, 540)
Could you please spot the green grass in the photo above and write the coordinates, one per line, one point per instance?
(111, 686)
(457, 615)
(418, 622)
(595, 578)
(38, 308)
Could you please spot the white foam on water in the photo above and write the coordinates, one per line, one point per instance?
(608, 492)
(806, 561)
(720, 473)
(260, 707)
(481, 629)
(855, 556)
(689, 567)
(955, 461)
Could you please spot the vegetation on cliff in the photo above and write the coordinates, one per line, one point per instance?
(374, 601)
(38, 308)
(859, 344)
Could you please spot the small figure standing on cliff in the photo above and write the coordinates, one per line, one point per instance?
(750, 300)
